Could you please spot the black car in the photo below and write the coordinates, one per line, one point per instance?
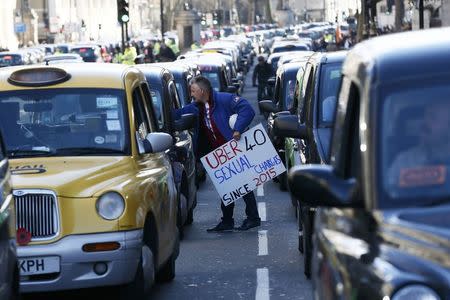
(312, 125)
(282, 104)
(89, 53)
(383, 229)
(165, 100)
(9, 280)
(216, 72)
(182, 74)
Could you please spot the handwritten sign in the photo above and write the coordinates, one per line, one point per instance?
(238, 167)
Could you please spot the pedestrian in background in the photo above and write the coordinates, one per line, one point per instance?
(214, 110)
(263, 71)
(165, 53)
(129, 55)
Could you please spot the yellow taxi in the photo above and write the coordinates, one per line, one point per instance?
(96, 202)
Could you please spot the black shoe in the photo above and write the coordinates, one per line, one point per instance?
(222, 226)
(249, 223)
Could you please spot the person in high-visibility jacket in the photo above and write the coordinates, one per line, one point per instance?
(156, 48)
(129, 55)
(195, 45)
(172, 45)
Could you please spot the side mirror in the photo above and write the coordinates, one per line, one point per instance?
(240, 77)
(288, 126)
(317, 185)
(268, 106)
(271, 81)
(157, 142)
(186, 122)
(232, 89)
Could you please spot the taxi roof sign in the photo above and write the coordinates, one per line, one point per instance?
(35, 77)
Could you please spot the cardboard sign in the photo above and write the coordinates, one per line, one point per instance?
(238, 167)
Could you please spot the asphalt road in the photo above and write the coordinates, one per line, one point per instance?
(262, 263)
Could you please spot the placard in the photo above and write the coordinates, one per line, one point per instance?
(239, 167)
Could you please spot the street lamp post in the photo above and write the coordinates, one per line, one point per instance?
(162, 18)
(421, 21)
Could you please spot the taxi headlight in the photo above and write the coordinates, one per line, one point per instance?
(110, 206)
(416, 292)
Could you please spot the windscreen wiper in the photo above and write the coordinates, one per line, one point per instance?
(14, 153)
(88, 151)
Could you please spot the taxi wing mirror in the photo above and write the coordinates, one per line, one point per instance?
(268, 106)
(288, 126)
(186, 122)
(318, 185)
(157, 142)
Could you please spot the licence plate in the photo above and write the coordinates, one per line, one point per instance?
(39, 265)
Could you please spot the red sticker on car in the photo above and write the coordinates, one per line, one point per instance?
(422, 176)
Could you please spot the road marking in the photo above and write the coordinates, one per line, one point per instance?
(262, 211)
(262, 243)
(260, 190)
(262, 284)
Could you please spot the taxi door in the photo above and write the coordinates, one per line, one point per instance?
(155, 168)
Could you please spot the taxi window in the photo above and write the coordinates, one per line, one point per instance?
(141, 121)
(64, 122)
(214, 79)
(330, 79)
(415, 139)
(174, 92)
(158, 107)
(181, 93)
(10, 60)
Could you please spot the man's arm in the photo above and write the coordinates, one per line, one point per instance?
(245, 113)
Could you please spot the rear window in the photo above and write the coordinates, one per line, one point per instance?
(214, 79)
(84, 52)
(10, 60)
(158, 107)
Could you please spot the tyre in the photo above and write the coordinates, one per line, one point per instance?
(15, 295)
(190, 216)
(307, 243)
(140, 286)
(167, 272)
(283, 182)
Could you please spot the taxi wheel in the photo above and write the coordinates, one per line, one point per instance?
(142, 283)
(190, 216)
(15, 295)
(167, 272)
(283, 181)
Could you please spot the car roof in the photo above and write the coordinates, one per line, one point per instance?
(290, 67)
(82, 75)
(328, 57)
(411, 54)
(155, 73)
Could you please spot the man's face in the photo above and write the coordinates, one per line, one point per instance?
(437, 121)
(261, 62)
(198, 94)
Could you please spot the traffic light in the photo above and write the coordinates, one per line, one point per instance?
(215, 18)
(123, 11)
(203, 19)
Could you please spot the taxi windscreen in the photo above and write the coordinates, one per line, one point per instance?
(64, 122)
(415, 139)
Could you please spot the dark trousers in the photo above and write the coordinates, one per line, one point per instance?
(251, 209)
(262, 94)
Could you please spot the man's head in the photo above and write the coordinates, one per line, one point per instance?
(201, 89)
(261, 60)
(437, 122)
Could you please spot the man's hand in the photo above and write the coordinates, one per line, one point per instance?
(236, 135)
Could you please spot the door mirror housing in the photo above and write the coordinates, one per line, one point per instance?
(318, 185)
(232, 89)
(186, 122)
(268, 106)
(156, 142)
(288, 126)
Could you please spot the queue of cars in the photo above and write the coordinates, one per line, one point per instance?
(104, 178)
(371, 181)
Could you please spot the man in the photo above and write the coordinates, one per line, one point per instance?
(214, 110)
(129, 55)
(166, 54)
(263, 71)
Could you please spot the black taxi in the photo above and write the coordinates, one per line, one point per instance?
(165, 100)
(383, 229)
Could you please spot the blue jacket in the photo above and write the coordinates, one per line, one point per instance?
(224, 106)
